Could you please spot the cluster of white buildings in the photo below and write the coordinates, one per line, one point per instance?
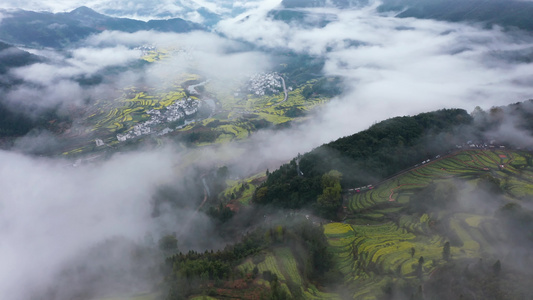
(480, 144)
(262, 83)
(146, 49)
(174, 112)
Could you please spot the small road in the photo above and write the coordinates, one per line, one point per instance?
(284, 90)
(206, 194)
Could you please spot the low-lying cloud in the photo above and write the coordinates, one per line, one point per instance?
(50, 211)
(205, 53)
(54, 217)
(55, 82)
(396, 66)
(52, 83)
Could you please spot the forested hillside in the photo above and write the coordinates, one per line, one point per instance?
(275, 261)
(363, 158)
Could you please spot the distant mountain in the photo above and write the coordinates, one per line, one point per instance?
(12, 57)
(508, 13)
(42, 29)
(290, 12)
(148, 10)
(322, 3)
(302, 18)
(11, 122)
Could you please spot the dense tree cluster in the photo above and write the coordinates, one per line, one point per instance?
(387, 147)
(329, 201)
(201, 134)
(222, 213)
(192, 272)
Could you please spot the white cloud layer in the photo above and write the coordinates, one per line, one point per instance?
(52, 83)
(49, 212)
(398, 66)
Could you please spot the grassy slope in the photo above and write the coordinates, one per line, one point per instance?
(243, 190)
(281, 261)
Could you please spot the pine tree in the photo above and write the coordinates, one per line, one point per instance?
(419, 268)
(446, 251)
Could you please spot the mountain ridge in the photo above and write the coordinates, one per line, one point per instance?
(509, 14)
(59, 30)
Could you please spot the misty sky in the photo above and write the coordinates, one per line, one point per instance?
(390, 67)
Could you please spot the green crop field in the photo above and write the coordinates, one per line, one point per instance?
(281, 261)
(242, 191)
(383, 239)
(271, 264)
(286, 259)
(156, 55)
(131, 108)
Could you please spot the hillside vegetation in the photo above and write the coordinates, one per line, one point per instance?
(454, 224)
(451, 221)
(363, 158)
(446, 224)
(457, 227)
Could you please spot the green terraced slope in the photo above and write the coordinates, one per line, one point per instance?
(389, 227)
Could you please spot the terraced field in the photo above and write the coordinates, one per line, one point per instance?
(464, 165)
(109, 117)
(241, 111)
(132, 109)
(383, 238)
(156, 55)
(228, 111)
(235, 116)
